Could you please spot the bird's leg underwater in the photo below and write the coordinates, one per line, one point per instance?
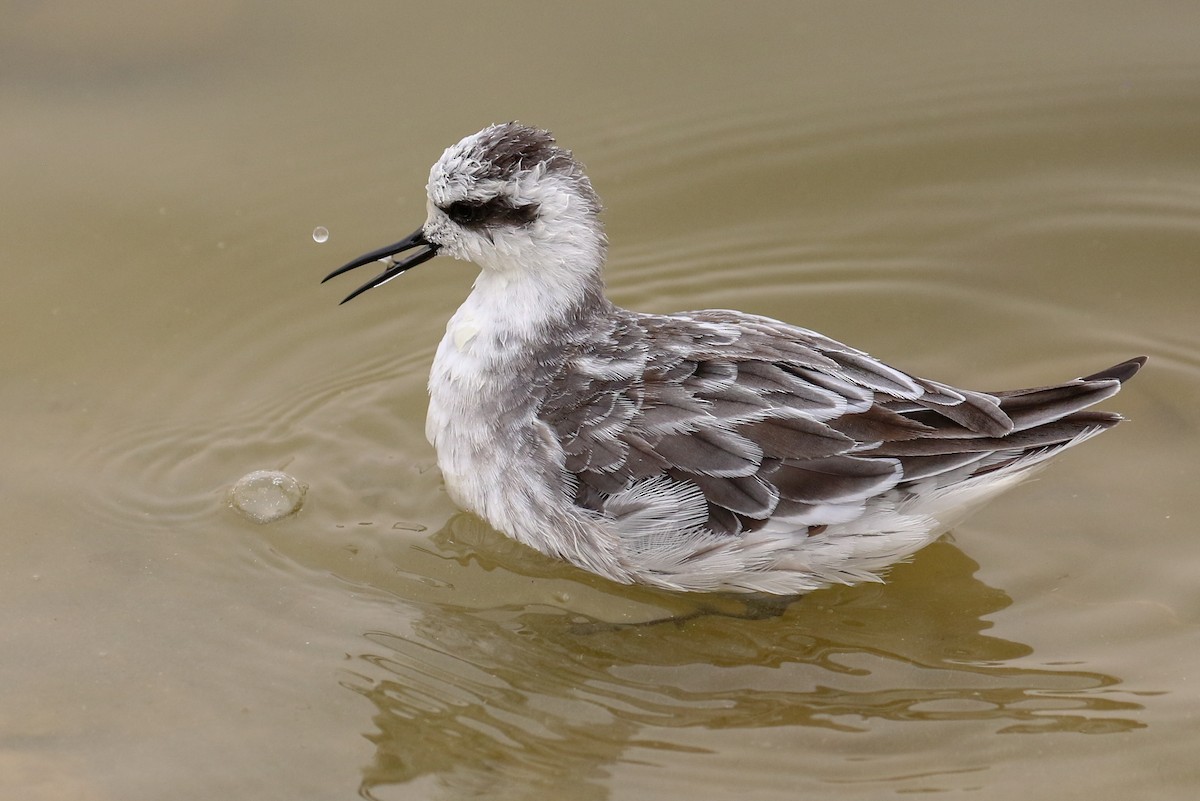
(747, 607)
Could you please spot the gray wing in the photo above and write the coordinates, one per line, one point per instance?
(770, 422)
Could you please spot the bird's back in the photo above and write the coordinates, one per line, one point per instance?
(690, 433)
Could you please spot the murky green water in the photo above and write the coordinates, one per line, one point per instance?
(992, 197)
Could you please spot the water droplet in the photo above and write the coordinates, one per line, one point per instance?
(320, 234)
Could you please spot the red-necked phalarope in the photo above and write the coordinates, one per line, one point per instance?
(708, 450)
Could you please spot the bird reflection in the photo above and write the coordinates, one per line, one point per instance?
(523, 700)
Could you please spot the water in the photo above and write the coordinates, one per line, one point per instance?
(320, 234)
(991, 197)
(267, 496)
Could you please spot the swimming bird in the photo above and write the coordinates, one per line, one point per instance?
(700, 451)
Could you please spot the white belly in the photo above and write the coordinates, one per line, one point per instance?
(479, 414)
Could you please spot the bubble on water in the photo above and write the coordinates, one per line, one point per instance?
(265, 496)
(320, 234)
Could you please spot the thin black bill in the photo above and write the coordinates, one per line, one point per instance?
(413, 240)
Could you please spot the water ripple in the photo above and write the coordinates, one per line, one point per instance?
(549, 693)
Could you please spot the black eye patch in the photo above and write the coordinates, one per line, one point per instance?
(494, 212)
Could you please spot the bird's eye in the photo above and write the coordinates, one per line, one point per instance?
(465, 213)
(494, 212)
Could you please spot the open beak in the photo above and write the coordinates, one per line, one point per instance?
(414, 240)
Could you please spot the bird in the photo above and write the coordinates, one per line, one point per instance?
(709, 451)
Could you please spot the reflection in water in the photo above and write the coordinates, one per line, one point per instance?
(520, 702)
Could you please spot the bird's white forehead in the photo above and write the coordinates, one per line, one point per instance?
(508, 159)
(457, 176)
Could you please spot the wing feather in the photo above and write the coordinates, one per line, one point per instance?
(770, 422)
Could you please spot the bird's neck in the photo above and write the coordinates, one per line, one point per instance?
(524, 305)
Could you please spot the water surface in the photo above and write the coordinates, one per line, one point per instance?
(989, 197)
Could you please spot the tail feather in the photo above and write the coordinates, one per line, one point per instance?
(1034, 409)
(1052, 433)
(1121, 372)
(1045, 420)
